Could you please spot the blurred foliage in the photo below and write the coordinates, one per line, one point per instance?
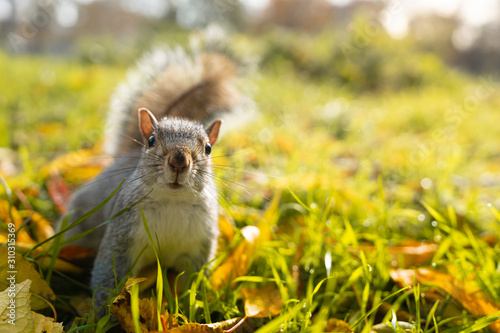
(364, 58)
(368, 148)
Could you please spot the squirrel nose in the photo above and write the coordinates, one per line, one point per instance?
(178, 162)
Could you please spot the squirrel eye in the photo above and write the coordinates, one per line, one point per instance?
(151, 141)
(208, 149)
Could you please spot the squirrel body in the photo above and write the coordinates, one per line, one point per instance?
(163, 152)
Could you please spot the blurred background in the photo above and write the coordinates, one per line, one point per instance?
(464, 33)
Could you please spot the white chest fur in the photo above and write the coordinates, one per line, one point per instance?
(180, 228)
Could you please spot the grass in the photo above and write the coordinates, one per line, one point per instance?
(355, 171)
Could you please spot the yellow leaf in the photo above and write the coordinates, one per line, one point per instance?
(237, 263)
(337, 325)
(407, 254)
(26, 270)
(45, 324)
(15, 311)
(78, 166)
(262, 301)
(22, 236)
(466, 292)
(226, 227)
(43, 228)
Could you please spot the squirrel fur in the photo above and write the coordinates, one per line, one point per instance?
(163, 151)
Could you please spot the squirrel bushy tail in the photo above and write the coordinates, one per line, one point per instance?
(198, 84)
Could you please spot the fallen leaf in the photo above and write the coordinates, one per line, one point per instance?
(385, 328)
(407, 254)
(411, 253)
(226, 227)
(59, 191)
(219, 327)
(262, 301)
(45, 324)
(5, 215)
(337, 325)
(79, 166)
(148, 320)
(15, 311)
(466, 292)
(43, 228)
(237, 263)
(26, 270)
(77, 255)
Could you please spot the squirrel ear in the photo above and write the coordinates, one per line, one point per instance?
(213, 131)
(147, 122)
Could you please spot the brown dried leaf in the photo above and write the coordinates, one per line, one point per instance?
(26, 270)
(148, 319)
(407, 254)
(219, 327)
(412, 252)
(466, 292)
(73, 253)
(262, 301)
(59, 191)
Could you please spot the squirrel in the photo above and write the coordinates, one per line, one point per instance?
(155, 132)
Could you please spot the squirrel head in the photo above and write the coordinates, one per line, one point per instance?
(177, 152)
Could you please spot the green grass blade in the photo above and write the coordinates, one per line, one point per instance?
(377, 306)
(134, 307)
(159, 275)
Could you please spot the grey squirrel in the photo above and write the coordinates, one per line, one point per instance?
(155, 134)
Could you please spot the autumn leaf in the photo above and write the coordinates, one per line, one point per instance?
(237, 263)
(262, 301)
(337, 325)
(43, 228)
(5, 215)
(219, 327)
(24, 320)
(21, 315)
(466, 292)
(121, 310)
(73, 253)
(59, 191)
(385, 328)
(44, 324)
(412, 253)
(407, 254)
(226, 227)
(79, 166)
(26, 270)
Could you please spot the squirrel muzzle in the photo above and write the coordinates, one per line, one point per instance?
(179, 162)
